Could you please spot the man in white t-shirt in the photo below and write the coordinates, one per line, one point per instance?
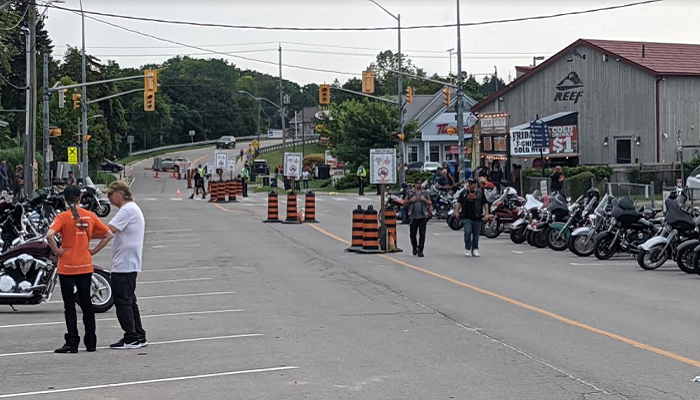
(305, 178)
(128, 227)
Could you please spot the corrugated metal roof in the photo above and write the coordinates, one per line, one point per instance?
(661, 58)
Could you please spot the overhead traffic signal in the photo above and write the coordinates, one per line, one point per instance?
(409, 94)
(62, 98)
(150, 87)
(76, 100)
(448, 97)
(367, 81)
(401, 136)
(324, 94)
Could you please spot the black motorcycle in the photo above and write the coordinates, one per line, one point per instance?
(92, 200)
(628, 230)
(557, 211)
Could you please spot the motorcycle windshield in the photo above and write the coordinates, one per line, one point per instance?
(532, 203)
(676, 216)
(603, 205)
(558, 203)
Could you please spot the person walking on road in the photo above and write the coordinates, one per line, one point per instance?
(362, 175)
(472, 208)
(557, 180)
(245, 175)
(418, 204)
(77, 227)
(199, 182)
(128, 227)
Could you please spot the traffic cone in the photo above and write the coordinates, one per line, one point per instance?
(178, 193)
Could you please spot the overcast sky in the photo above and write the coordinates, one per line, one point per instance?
(503, 46)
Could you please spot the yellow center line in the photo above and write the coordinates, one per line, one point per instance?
(230, 211)
(529, 307)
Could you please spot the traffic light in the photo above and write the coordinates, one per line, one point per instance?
(324, 94)
(409, 94)
(401, 136)
(62, 98)
(76, 100)
(448, 96)
(367, 81)
(150, 87)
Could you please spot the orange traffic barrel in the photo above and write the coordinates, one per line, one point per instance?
(189, 178)
(310, 207)
(273, 207)
(292, 217)
(390, 221)
(358, 217)
(370, 232)
(239, 187)
(231, 187)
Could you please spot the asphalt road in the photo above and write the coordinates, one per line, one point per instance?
(239, 309)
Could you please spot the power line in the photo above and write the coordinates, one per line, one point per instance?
(176, 54)
(217, 52)
(355, 29)
(177, 47)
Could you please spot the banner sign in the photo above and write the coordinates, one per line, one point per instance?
(564, 139)
(382, 166)
(292, 164)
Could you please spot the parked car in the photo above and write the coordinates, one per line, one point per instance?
(430, 167)
(260, 167)
(111, 166)
(168, 163)
(415, 166)
(226, 142)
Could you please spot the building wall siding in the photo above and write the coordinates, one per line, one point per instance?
(618, 101)
(679, 110)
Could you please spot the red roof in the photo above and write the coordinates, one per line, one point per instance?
(661, 58)
(655, 58)
(524, 68)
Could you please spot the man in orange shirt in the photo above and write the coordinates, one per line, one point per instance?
(77, 227)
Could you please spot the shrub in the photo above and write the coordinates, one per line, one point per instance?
(349, 181)
(312, 160)
(15, 156)
(579, 184)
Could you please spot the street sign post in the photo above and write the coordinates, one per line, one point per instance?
(679, 150)
(292, 166)
(382, 171)
(73, 155)
(232, 167)
(540, 138)
(192, 136)
(679, 141)
(221, 160)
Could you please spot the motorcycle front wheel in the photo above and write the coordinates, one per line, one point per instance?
(555, 244)
(491, 229)
(518, 236)
(103, 210)
(605, 246)
(528, 237)
(539, 239)
(581, 245)
(653, 258)
(685, 254)
(454, 223)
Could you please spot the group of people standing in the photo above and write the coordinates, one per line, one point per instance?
(76, 228)
(199, 174)
(12, 183)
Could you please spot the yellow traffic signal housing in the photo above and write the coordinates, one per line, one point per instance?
(401, 136)
(76, 100)
(324, 94)
(409, 94)
(149, 101)
(55, 132)
(448, 96)
(367, 81)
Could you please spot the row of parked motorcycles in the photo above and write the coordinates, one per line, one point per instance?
(603, 227)
(28, 267)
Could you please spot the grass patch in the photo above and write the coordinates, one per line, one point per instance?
(277, 157)
(104, 178)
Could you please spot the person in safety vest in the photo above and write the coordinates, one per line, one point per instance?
(362, 175)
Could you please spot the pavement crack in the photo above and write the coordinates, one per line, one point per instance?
(652, 388)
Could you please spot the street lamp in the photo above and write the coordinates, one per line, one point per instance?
(84, 98)
(259, 100)
(535, 59)
(450, 52)
(402, 170)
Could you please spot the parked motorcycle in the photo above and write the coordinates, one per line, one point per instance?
(628, 230)
(92, 200)
(676, 239)
(582, 239)
(557, 211)
(28, 276)
(506, 209)
(454, 221)
(557, 233)
(531, 212)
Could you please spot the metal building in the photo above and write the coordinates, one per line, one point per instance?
(631, 98)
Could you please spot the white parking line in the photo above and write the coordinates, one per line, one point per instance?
(167, 296)
(173, 241)
(177, 269)
(114, 319)
(340, 199)
(598, 264)
(247, 335)
(176, 280)
(169, 230)
(165, 246)
(147, 382)
(363, 198)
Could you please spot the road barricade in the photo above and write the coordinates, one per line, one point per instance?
(390, 221)
(358, 217)
(310, 207)
(231, 191)
(272, 207)
(370, 232)
(292, 217)
(239, 187)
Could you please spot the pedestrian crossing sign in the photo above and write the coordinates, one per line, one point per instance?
(73, 155)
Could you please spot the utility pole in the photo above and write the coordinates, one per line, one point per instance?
(259, 106)
(47, 164)
(458, 107)
(84, 102)
(28, 156)
(282, 108)
(402, 171)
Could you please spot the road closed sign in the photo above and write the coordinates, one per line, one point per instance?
(73, 155)
(292, 164)
(382, 166)
(221, 158)
(231, 166)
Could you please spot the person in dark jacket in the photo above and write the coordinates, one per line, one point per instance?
(557, 180)
(472, 207)
(496, 176)
(418, 204)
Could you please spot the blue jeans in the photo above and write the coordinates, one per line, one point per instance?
(472, 229)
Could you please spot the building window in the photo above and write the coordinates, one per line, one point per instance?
(487, 144)
(499, 144)
(434, 153)
(448, 153)
(412, 154)
(623, 151)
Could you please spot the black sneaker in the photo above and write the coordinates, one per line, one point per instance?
(66, 349)
(143, 342)
(123, 345)
(415, 251)
(420, 254)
